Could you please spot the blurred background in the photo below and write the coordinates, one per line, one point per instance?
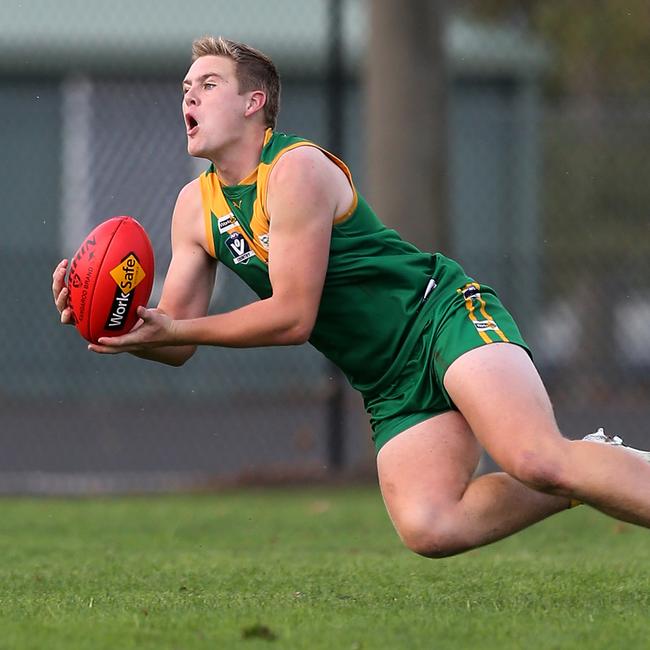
(513, 136)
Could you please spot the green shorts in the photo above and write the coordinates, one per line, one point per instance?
(459, 315)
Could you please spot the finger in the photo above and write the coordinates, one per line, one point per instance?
(139, 323)
(114, 342)
(61, 265)
(67, 317)
(61, 301)
(58, 277)
(145, 315)
(103, 349)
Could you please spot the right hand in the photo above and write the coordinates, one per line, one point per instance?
(61, 294)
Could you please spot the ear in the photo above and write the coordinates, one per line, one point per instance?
(255, 102)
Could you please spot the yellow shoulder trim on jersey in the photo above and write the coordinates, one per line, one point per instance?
(346, 215)
(250, 179)
(264, 171)
(206, 183)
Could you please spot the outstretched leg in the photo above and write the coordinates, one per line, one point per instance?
(438, 509)
(500, 394)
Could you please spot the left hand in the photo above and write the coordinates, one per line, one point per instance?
(154, 329)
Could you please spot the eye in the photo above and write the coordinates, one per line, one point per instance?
(208, 84)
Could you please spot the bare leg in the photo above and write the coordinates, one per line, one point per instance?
(500, 394)
(425, 475)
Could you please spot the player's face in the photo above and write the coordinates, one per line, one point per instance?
(212, 106)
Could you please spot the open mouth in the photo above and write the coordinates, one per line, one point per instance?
(192, 124)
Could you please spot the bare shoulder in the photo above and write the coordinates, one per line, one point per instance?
(189, 199)
(307, 171)
(188, 212)
(305, 163)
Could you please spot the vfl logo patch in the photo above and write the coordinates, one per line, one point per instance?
(127, 275)
(227, 222)
(239, 248)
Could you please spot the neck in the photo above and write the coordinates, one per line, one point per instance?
(237, 161)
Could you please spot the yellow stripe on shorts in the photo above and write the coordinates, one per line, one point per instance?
(470, 306)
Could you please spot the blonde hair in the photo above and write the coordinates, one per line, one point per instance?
(254, 70)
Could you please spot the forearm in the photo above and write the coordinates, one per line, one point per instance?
(171, 355)
(264, 323)
(172, 341)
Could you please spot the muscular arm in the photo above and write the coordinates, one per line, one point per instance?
(190, 278)
(301, 206)
(306, 191)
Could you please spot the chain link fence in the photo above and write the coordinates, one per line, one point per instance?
(547, 202)
(90, 103)
(576, 274)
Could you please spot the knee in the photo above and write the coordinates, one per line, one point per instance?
(430, 534)
(544, 470)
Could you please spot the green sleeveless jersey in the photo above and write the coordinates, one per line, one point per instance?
(370, 316)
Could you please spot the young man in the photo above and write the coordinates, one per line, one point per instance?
(441, 365)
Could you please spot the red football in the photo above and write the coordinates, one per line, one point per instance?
(111, 275)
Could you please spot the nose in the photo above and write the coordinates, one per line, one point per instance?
(190, 98)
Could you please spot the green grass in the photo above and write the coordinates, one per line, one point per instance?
(316, 568)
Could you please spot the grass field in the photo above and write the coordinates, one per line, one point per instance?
(306, 568)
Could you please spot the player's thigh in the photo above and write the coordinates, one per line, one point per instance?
(501, 395)
(424, 471)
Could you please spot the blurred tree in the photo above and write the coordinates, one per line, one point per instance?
(595, 190)
(600, 48)
(405, 86)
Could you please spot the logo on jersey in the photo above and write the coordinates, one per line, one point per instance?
(264, 240)
(227, 222)
(481, 325)
(470, 292)
(239, 248)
